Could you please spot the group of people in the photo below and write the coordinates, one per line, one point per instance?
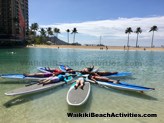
(57, 75)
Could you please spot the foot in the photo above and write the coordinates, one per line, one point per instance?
(96, 82)
(82, 87)
(75, 87)
(25, 75)
(117, 82)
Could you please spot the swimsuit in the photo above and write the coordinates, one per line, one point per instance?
(54, 79)
(61, 77)
(57, 71)
(57, 78)
(81, 78)
(47, 74)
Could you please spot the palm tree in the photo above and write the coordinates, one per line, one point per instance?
(43, 35)
(138, 30)
(56, 31)
(34, 27)
(128, 30)
(153, 28)
(42, 32)
(74, 31)
(49, 31)
(68, 34)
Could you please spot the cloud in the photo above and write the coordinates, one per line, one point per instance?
(115, 29)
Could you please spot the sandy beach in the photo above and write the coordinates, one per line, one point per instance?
(99, 47)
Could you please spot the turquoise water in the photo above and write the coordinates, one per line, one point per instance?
(51, 106)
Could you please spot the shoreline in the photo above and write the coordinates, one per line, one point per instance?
(98, 47)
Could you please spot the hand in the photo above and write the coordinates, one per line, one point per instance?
(96, 82)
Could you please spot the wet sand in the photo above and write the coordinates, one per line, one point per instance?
(99, 47)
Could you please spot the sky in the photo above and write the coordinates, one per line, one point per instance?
(106, 18)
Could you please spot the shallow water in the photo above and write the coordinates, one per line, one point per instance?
(51, 106)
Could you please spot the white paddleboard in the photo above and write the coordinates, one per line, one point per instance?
(33, 89)
(78, 97)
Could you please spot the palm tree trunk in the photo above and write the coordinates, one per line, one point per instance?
(152, 40)
(68, 36)
(128, 41)
(137, 40)
(74, 38)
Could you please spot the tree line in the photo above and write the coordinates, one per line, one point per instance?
(46, 33)
(139, 31)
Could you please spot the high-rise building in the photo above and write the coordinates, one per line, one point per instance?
(13, 21)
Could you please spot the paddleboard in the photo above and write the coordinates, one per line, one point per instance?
(119, 74)
(78, 97)
(32, 89)
(20, 76)
(44, 70)
(36, 88)
(124, 86)
(62, 67)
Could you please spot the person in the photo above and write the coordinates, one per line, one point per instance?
(58, 71)
(86, 70)
(105, 73)
(79, 83)
(69, 70)
(54, 73)
(52, 69)
(95, 77)
(38, 75)
(53, 79)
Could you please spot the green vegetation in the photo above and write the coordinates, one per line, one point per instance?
(153, 28)
(74, 31)
(128, 31)
(42, 35)
(138, 30)
(68, 31)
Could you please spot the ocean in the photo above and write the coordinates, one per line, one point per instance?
(51, 107)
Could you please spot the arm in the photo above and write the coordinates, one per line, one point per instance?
(47, 80)
(94, 80)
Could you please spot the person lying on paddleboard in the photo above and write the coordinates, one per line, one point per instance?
(53, 79)
(105, 73)
(101, 73)
(95, 77)
(80, 83)
(83, 71)
(55, 73)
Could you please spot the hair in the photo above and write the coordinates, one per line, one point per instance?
(89, 77)
(69, 69)
(90, 68)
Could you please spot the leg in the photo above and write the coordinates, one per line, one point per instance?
(81, 84)
(34, 75)
(77, 84)
(107, 79)
(106, 73)
(46, 82)
(114, 81)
